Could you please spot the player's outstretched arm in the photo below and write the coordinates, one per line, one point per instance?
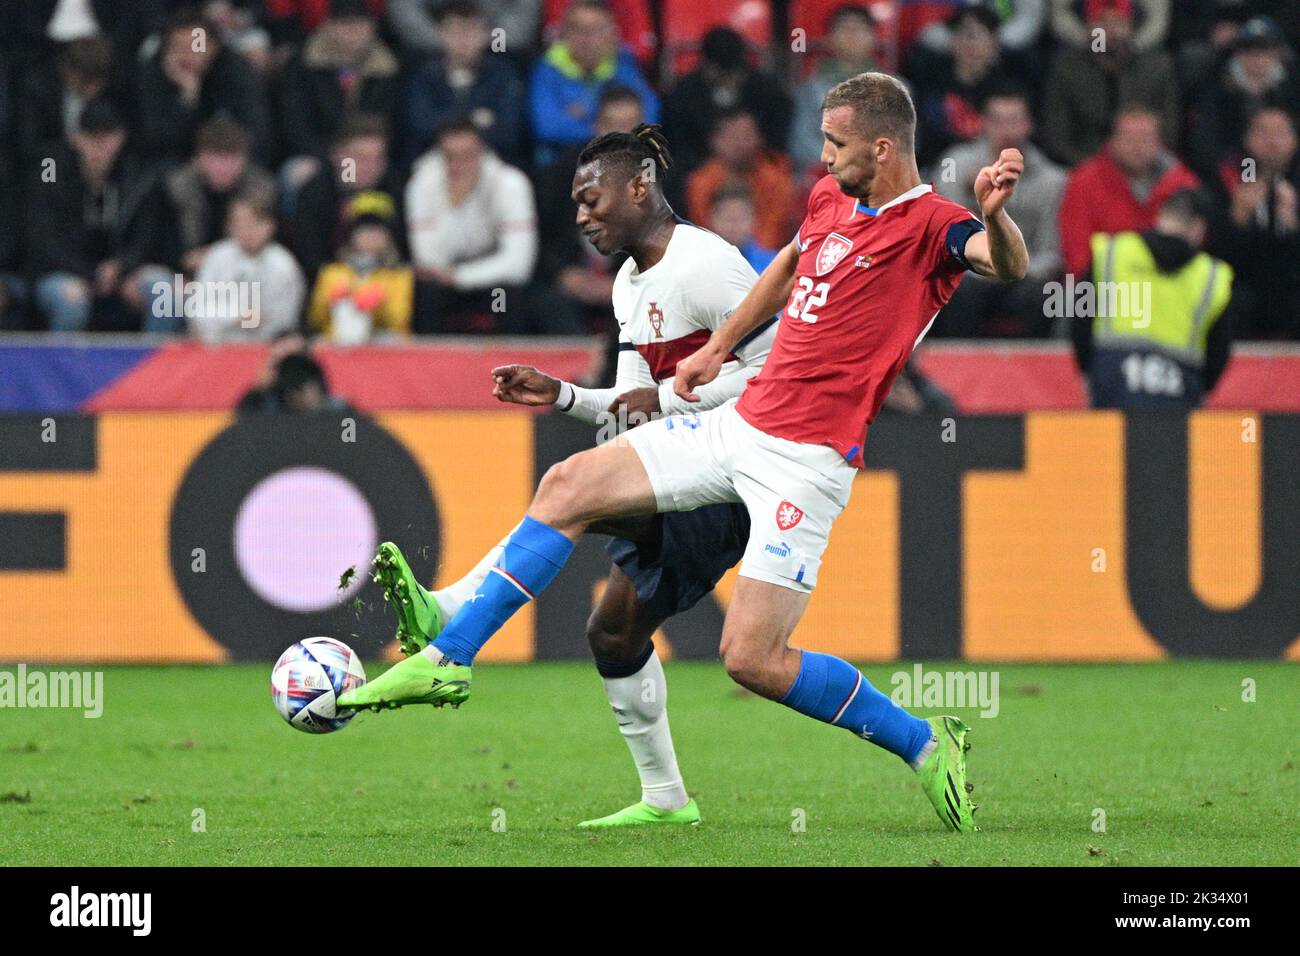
(768, 297)
(524, 385)
(1000, 251)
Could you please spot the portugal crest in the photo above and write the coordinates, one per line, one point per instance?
(657, 320)
(834, 248)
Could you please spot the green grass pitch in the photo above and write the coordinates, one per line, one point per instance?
(1184, 770)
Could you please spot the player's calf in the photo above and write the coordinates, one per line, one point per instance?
(755, 649)
(620, 633)
(761, 618)
(767, 671)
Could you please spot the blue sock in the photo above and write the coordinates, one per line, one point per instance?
(835, 691)
(532, 557)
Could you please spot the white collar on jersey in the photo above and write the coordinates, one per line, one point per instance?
(918, 190)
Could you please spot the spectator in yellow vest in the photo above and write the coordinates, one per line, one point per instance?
(1150, 329)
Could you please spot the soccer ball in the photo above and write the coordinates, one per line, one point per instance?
(308, 678)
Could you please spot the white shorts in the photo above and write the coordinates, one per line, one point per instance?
(793, 491)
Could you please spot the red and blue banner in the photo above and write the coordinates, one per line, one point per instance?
(48, 374)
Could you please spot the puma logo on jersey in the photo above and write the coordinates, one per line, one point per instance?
(834, 248)
(657, 319)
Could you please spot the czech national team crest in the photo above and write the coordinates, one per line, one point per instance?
(834, 248)
(787, 515)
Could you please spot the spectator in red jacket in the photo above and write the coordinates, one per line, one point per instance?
(1121, 187)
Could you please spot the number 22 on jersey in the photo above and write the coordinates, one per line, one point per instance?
(807, 299)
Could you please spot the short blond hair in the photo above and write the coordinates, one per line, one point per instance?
(881, 107)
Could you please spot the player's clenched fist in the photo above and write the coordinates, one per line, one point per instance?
(995, 184)
(524, 385)
(698, 368)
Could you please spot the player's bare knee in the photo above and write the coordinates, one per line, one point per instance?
(611, 643)
(556, 483)
(744, 665)
(602, 631)
(559, 496)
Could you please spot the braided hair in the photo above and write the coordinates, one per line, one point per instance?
(632, 151)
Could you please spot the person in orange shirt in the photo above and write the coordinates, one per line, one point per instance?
(738, 154)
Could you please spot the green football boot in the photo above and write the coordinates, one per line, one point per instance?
(416, 680)
(642, 813)
(943, 775)
(419, 618)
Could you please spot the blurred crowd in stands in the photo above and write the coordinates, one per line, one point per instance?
(391, 167)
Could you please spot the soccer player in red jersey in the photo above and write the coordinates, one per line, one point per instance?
(877, 257)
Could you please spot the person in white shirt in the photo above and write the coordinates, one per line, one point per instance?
(473, 232)
(678, 284)
(249, 287)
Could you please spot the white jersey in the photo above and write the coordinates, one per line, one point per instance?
(668, 312)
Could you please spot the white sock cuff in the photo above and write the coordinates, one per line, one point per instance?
(930, 746)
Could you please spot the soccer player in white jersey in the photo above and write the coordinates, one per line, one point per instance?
(678, 284)
(878, 255)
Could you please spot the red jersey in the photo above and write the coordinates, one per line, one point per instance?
(868, 286)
